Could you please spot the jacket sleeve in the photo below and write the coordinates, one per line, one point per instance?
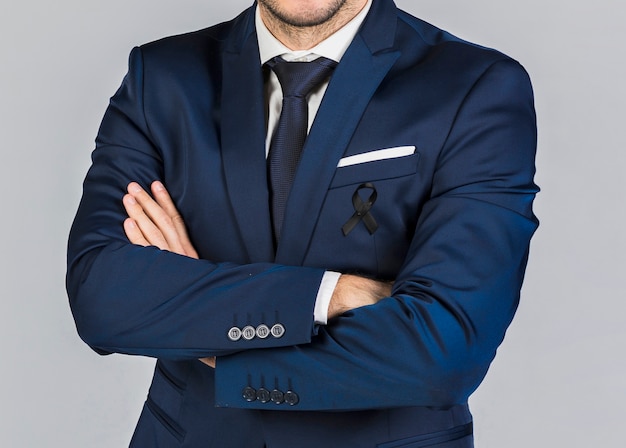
(431, 342)
(145, 301)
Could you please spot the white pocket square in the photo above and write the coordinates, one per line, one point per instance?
(379, 154)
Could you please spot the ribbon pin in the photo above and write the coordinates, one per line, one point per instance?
(362, 210)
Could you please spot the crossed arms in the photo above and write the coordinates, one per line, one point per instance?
(155, 221)
(427, 343)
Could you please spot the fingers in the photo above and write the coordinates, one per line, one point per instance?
(151, 219)
(133, 233)
(163, 198)
(165, 201)
(141, 229)
(157, 220)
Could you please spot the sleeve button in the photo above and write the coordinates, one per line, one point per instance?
(248, 333)
(249, 394)
(234, 334)
(263, 395)
(262, 331)
(291, 398)
(277, 396)
(278, 331)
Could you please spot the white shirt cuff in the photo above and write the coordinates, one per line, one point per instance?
(324, 294)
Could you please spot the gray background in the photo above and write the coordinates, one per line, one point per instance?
(559, 377)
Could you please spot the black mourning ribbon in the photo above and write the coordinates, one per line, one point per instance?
(362, 210)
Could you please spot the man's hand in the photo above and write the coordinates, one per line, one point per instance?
(155, 222)
(353, 292)
(208, 361)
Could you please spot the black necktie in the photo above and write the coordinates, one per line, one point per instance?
(297, 80)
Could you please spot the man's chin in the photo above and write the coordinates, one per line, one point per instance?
(302, 17)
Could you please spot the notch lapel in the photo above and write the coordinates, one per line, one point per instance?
(243, 140)
(361, 70)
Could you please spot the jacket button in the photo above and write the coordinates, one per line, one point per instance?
(234, 334)
(248, 333)
(278, 331)
(263, 395)
(291, 398)
(277, 396)
(249, 394)
(262, 331)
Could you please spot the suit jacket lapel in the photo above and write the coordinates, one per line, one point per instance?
(243, 138)
(356, 78)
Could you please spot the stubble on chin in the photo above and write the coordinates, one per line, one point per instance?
(302, 17)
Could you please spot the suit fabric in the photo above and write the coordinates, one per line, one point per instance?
(454, 223)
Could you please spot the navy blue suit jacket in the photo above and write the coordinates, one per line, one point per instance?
(454, 224)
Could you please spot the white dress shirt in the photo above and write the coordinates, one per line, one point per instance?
(332, 48)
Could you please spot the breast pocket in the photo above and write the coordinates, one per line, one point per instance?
(375, 170)
(376, 242)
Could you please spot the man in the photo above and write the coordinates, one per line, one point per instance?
(360, 308)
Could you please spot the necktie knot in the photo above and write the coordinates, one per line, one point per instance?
(298, 79)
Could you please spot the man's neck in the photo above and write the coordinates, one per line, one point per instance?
(298, 37)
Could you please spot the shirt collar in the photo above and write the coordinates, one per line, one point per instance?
(332, 47)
